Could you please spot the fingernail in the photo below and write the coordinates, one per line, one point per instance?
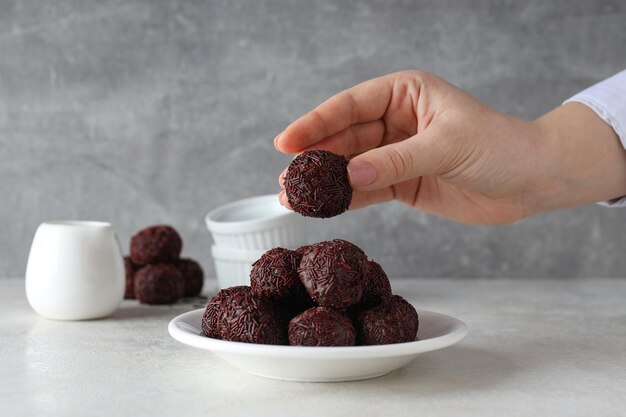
(361, 174)
(276, 139)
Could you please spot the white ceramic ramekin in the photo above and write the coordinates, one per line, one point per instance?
(233, 265)
(256, 223)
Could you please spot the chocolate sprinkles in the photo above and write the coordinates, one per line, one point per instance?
(245, 317)
(316, 184)
(275, 275)
(321, 326)
(332, 273)
(324, 294)
(394, 321)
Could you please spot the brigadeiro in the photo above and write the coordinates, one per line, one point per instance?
(159, 284)
(377, 288)
(316, 184)
(193, 275)
(321, 326)
(155, 244)
(302, 249)
(275, 275)
(394, 321)
(212, 311)
(130, 269)
(333, 273)
(245, 317)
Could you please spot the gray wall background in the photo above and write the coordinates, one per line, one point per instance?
(141, 112)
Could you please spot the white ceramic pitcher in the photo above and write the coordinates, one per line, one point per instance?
(75, 270)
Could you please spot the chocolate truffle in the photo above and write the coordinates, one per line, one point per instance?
(193, 275)
(316, 184)
(159, 284)
(394, 321)
(377, 287)
(302, 249)
(321, 326)
(155, 244)
(245, 317)
(275, 275)
(130, 269)
(212, 311)
(333, 273)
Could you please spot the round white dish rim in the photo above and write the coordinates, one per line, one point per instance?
(185, 329)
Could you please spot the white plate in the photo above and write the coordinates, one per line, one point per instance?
(302, 363)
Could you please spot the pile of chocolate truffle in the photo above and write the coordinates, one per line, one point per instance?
(325, 294)
(155, 272)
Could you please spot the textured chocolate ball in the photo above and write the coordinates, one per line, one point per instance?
(333, 273)
(155, 244)
(316, 184)
(245, 317)
(193, 275)
(130, 269)
(159, 284)
(275, 275)
(321, 326)
(302, 249)
(394, 321)
(212, 311)
(377, 287)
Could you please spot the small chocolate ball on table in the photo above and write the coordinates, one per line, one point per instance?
(193, 275)
(317, 185)
(159, 284)
(155, 244)
(130, 269)
(321, 326)
(393, 321)
(333, 273)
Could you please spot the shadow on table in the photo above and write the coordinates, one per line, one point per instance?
(132, 309)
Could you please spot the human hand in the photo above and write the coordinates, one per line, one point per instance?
(414, 137)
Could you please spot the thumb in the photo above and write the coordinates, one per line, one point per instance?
(416, 156)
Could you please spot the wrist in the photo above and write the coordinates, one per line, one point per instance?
(580, 160)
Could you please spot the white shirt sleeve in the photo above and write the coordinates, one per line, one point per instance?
(608, 100)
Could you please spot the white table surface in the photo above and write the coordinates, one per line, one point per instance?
(535, 348)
